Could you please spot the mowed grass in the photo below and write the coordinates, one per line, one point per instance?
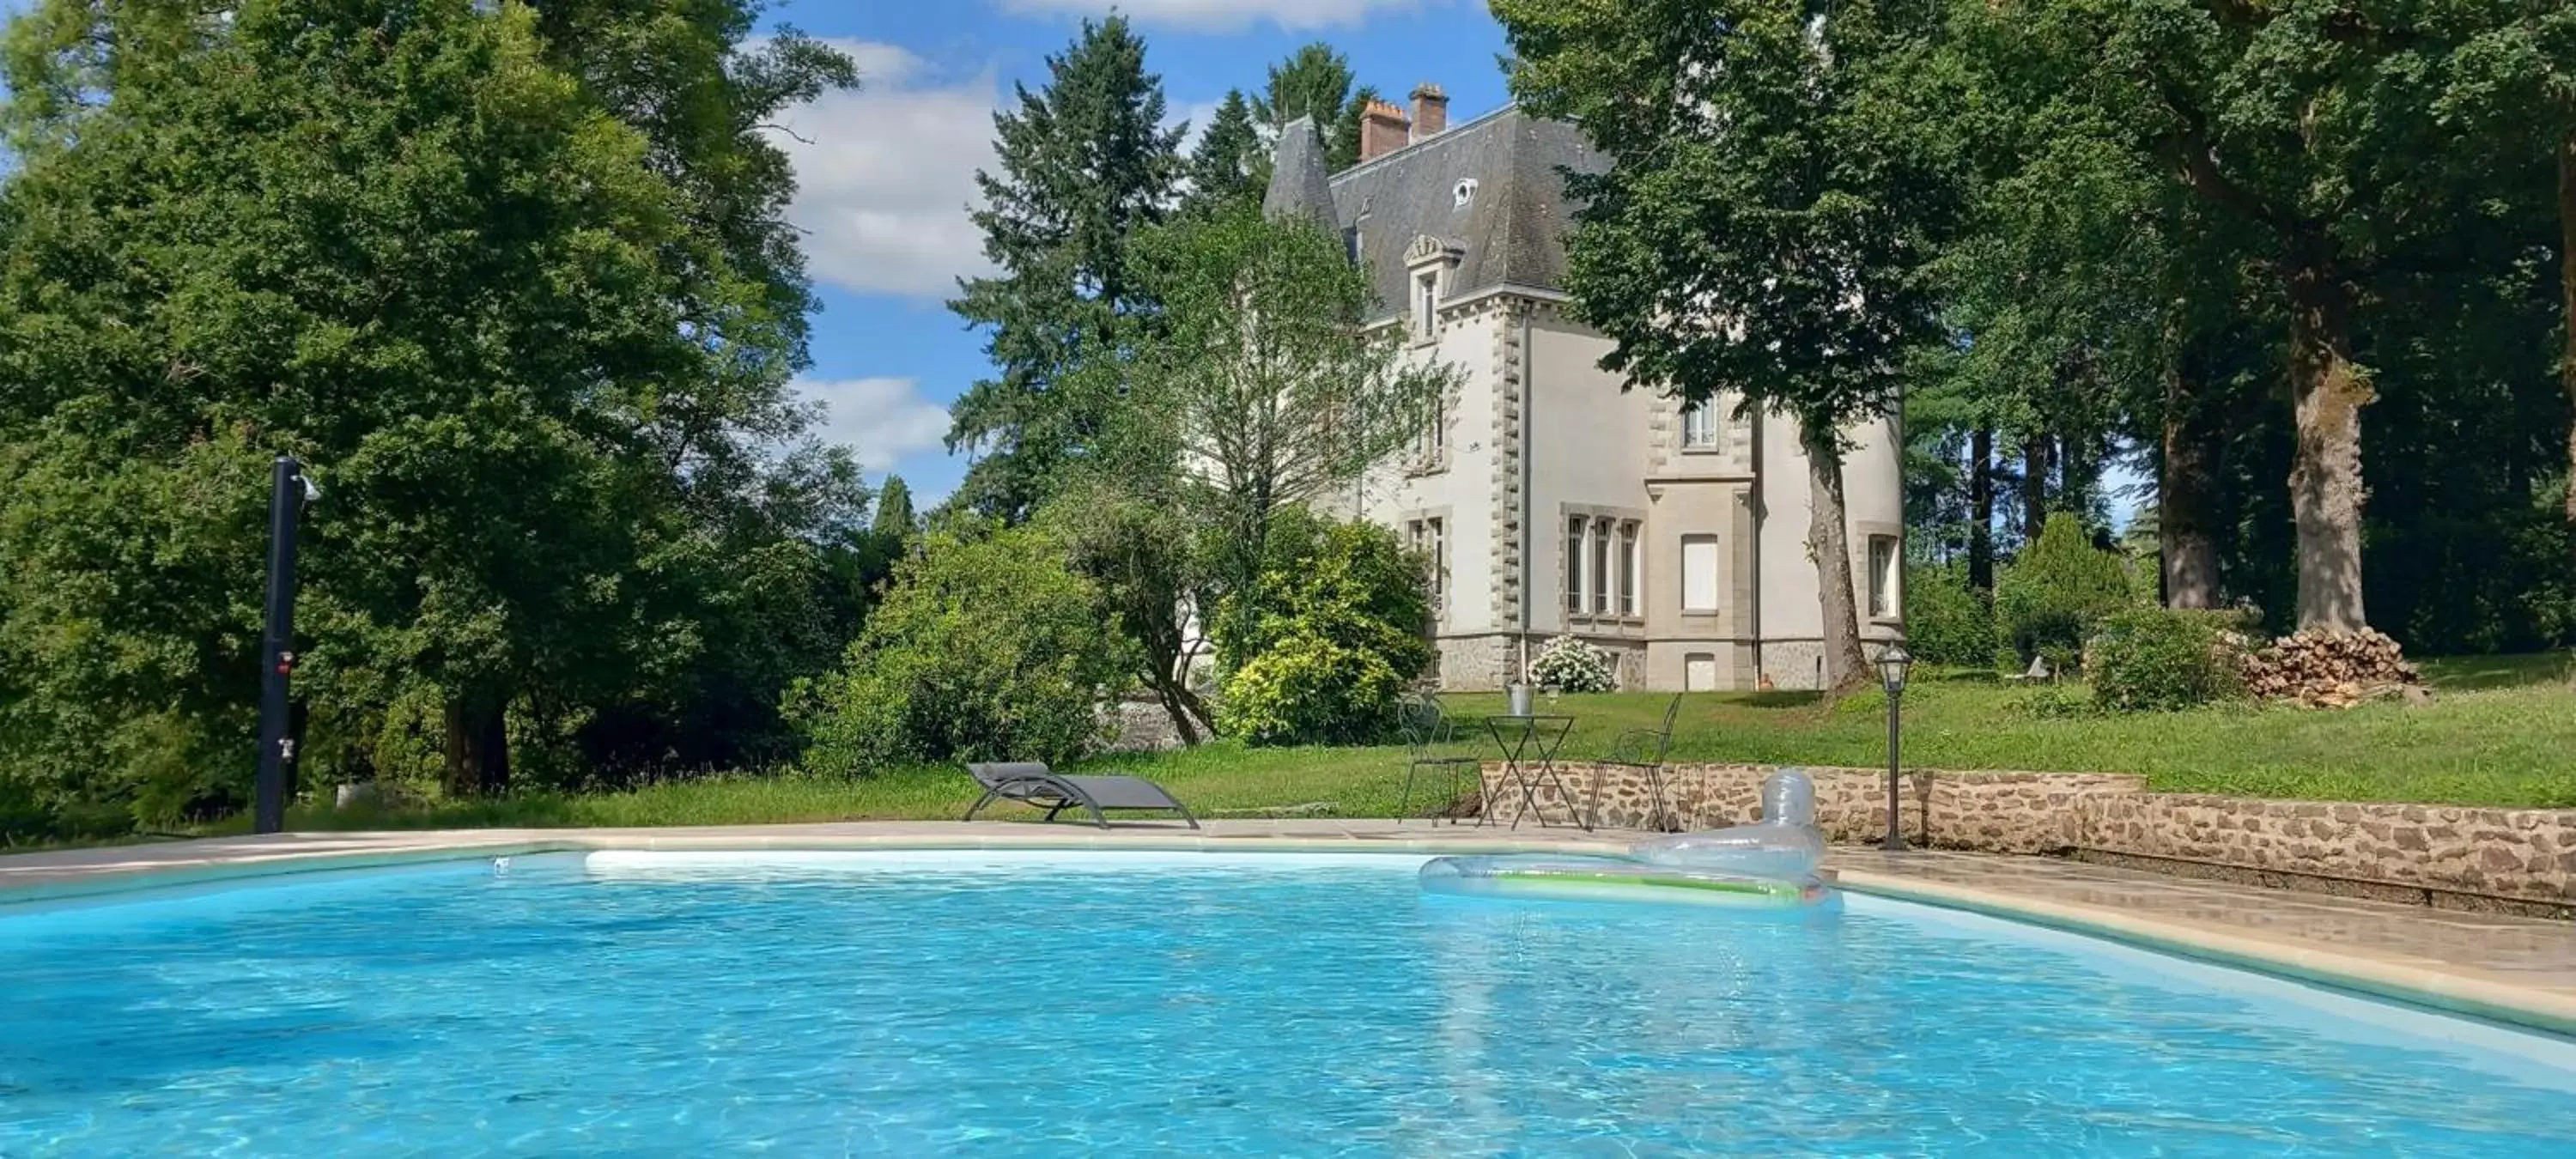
(2500, 731)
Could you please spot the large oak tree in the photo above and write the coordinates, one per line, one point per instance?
(1767, 225)
(530, 315)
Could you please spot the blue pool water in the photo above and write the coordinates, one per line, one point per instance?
(1183, 1004)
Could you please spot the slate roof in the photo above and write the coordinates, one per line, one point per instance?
(1297, 182)
(1512, 229)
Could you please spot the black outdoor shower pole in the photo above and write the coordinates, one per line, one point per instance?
(277, 656)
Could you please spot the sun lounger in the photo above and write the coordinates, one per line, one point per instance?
(1032, 783)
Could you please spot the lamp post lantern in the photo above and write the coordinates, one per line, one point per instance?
(1893, 663)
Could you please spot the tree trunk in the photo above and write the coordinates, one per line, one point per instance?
(2327, 392)
(1981, 498)
(2075, 473)
(1845, 667)
(2187, 492)
(1189, 714)
(2034, 486)
(478, 746)
(2567, 299)
(1170, 680)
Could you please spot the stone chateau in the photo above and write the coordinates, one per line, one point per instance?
(1553, 498)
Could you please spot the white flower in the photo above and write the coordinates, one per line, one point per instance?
(1570, 665)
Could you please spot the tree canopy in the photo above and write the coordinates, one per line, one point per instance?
(532, 331)
(1229, 163)
(2214, 238)
(1086, 162)
(1768, 225)
(1316, 82)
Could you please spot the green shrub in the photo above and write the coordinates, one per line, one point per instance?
(2157, 660)
(2055, 702)
(1337, 639)
(2049, 599)
(985, 648)
(1946, 621)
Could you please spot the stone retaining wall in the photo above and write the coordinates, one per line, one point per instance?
(1996, 812)
(2528, 854)
(2520, 854)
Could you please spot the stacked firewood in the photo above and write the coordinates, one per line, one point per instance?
(2324, 669)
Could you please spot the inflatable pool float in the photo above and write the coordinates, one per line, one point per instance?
(1613, 879)
(1767, 865)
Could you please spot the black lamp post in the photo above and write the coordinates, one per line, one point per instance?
(1893, 662)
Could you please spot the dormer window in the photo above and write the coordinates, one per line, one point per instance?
(1428, 262)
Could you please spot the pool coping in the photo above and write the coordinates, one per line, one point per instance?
(2449, 990)
(44, 878)
(415, 848)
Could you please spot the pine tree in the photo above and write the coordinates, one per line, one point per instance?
(1228, 165)
(1315, 81)
(894, 507)
(1085, 163)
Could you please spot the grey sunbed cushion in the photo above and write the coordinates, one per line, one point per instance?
(1123, 792)
(995, 772)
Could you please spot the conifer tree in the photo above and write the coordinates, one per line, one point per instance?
(1228, 164)
(1316, 82)
(1085, 162)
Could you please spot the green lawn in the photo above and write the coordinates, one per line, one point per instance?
(2501, 731)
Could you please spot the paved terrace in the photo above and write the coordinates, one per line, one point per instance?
(2512, 969)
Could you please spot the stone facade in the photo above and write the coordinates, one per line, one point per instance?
(1140, 726)
(2519, 855)
(1476, 663)
(1794, 664)
(1549, 496)
(1627, 661)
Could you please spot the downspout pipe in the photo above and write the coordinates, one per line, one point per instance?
(1529, 535)
(1761, 515)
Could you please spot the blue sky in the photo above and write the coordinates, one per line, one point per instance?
(888, 176)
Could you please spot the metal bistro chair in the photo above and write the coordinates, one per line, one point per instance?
(1645, 750)
(1431, 743)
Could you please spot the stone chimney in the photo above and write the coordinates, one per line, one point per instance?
(1430, 111)
(1382, 130)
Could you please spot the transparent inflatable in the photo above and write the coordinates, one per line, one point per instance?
(1770, 864)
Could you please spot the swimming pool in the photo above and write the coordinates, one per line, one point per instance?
(1056, 1004)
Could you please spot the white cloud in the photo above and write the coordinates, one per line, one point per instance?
(885, 174)
(1228, 15)
(881, 420)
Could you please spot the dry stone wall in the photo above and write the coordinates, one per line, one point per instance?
(2519, 854)
(2528, 854)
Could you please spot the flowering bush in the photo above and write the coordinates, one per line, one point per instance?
(1570, 665)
